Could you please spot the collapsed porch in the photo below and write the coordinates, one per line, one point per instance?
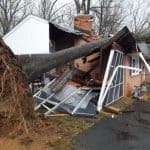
(108, 84)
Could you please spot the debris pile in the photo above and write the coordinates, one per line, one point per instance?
(64, 95)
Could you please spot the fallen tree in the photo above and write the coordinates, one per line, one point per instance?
(35, 68)
(15, 96)
(62, 57)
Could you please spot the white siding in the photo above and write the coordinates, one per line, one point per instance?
(29, 37)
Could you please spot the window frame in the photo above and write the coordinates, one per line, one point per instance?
(135, 62)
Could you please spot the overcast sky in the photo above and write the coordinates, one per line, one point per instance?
(145, 2)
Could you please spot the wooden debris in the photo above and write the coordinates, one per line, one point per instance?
(112, 109)
(57, 115)
(121, 106)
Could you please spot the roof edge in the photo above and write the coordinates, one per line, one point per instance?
(24, 21)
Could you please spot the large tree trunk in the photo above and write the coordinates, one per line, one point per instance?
(36, 68)
(15, 97)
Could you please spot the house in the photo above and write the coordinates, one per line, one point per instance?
(123, 41)
(31, 36)
(115, 67)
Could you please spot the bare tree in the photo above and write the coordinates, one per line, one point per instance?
(108, 16)
(83, 5)
(138, 18)
(45, 8)
(65, 15)
(11, 13)
(49, 10)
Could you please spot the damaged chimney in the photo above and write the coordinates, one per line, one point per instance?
(83, 22)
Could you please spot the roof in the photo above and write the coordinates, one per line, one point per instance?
(125, 39)
(52, 24)
(23, 22)
(65, 29)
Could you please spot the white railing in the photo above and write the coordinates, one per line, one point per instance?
(101, 100)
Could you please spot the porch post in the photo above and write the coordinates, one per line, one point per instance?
(145, 62)
(100, 102)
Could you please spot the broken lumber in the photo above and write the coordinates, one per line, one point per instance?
(112, 109)
(57, 115)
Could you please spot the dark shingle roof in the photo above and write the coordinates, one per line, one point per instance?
(66, 29)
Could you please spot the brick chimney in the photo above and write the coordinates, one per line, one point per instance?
(84, 23)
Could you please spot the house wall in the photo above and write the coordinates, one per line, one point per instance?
(147, 77)
(129, 80)
(31, 36)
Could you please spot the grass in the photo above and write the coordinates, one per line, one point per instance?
(69, 127)
(54, 133)
(59, 143)
(26, 141)
(57, 133)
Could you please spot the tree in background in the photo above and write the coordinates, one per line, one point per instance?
(45, 8)
(83, 5)
(65, 15)
(11, 13)
(139, 17)
(108, 14)
(49, 10)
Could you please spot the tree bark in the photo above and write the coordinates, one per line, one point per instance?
(35, 69)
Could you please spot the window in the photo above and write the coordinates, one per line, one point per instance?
(135, 62)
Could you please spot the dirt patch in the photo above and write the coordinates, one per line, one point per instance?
(14, 144)
(52, 133)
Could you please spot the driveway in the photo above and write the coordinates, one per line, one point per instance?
(130, 131)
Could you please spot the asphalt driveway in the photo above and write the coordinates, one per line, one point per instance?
(127, 132)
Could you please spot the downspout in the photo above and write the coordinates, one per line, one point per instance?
(145, 62)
